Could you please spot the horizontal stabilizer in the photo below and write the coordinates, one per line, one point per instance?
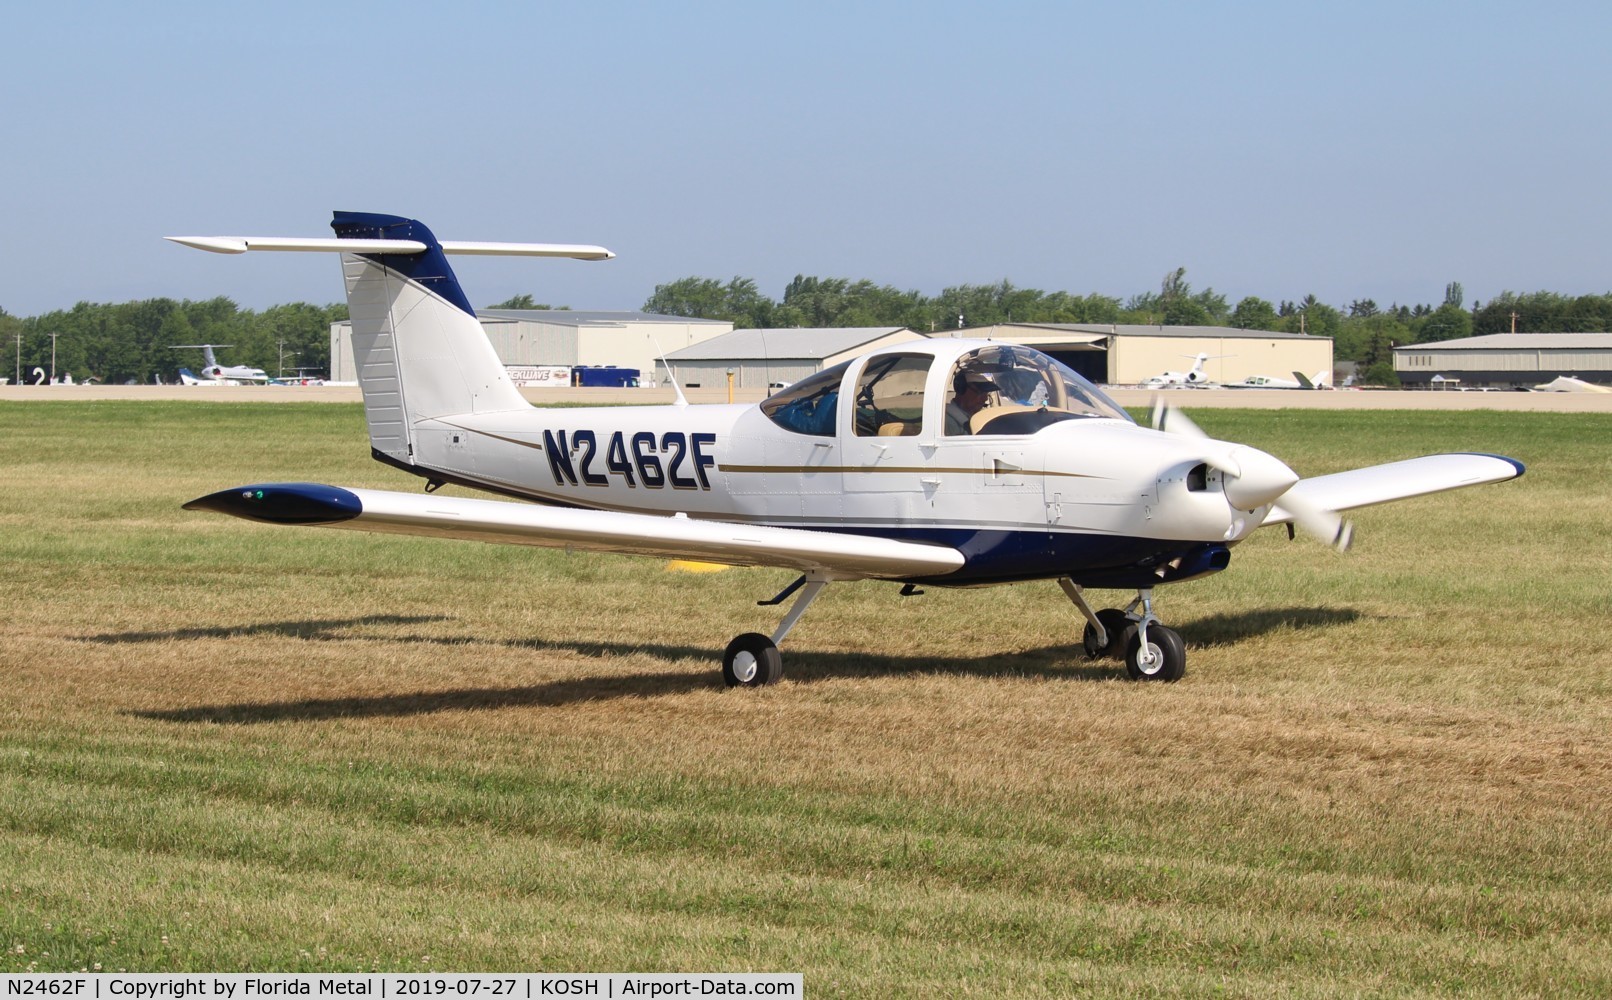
(837, 555)
(576, 251)
(1397, 481)
(241, 244)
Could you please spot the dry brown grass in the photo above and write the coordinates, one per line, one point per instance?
(1387, 773)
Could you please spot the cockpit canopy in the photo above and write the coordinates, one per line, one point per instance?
(1006, 390)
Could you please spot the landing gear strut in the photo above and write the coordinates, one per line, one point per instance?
(752, 659)
(1151, 651)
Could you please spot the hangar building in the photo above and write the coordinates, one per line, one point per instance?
(1127, 354)
(1506, 360)
(528, 337)
(762, 358)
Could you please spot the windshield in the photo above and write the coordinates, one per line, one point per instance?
(1007, 389)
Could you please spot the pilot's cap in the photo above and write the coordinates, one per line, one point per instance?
(978, 380)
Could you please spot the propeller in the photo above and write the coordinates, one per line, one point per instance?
(1255, 478)
(1327, 525)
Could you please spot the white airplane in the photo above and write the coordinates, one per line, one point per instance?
(299, 377)
(943, 463)
(214, 373)
(1194, 376)
(1320, 380)
(1567, 383)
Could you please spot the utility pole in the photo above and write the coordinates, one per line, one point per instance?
(53, 357)
(18, 380)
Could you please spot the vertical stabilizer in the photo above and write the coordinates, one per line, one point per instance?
(418, 348)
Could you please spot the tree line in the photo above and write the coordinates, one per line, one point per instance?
(1361, 331)
(132, 341)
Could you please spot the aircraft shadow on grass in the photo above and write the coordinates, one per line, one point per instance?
(1216, 631)
(326, 629)
(1059, 663)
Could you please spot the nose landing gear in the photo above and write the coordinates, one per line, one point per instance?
(1152, 652)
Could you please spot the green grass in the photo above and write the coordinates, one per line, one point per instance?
(229, 747)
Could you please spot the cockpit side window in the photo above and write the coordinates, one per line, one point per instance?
(808, 406)
(890, 395)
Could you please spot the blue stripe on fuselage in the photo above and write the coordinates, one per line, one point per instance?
(1005, 556)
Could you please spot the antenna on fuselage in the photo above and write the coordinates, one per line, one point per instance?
(676, 388)
(766, 366)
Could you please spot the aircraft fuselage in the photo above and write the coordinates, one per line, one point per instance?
(1102, 500)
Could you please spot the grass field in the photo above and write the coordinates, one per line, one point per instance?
(232, 747)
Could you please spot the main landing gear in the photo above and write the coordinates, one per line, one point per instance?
(1151, 651)
(752, 659)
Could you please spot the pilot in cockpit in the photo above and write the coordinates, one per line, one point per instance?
(970, 392)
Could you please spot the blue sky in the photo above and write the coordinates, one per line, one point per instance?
(1349, 150)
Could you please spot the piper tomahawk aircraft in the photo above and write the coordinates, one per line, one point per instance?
(947, 463)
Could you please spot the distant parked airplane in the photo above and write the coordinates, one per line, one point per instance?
(216, 374)
(1195, 376)
(1320, 380)
(1567, 383)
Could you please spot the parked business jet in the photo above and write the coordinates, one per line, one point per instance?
(213, 373)
(943, 463)
(1193, 376)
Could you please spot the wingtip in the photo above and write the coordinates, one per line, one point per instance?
(283, 503)
(1517, 467)
(212, 244)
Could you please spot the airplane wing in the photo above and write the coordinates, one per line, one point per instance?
(1397, 481)
(837, 555)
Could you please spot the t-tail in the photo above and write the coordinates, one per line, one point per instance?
(418, 348)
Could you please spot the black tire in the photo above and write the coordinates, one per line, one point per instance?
(1114, 623)
(751, 660)
(1169, 650)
